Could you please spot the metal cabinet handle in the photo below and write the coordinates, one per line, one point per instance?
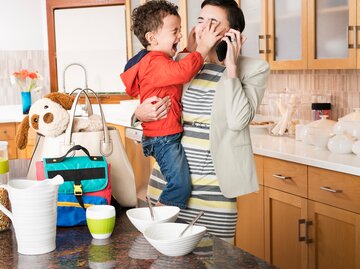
(354, 30)
(325, 188)
(306, 237)
(265, 38)
(259, 44)
(281, 177)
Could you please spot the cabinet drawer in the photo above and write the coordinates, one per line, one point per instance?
(286, 176)
(334, 188)
(7, 131)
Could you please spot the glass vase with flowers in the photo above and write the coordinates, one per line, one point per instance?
(27, 82)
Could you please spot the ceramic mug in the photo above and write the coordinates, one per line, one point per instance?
(100, 220)
(33, 213)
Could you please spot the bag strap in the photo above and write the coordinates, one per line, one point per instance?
(106, 144)
(74, 148)
(88, 107)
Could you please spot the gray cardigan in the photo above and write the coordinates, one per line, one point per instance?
(234, 107)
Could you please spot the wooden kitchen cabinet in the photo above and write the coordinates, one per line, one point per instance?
(286, 176)
(311, 218)
(276, 31)
(335, 235)
(285, 219)
(303, 34)
(8, 133)
(333, 27)
(250, 223)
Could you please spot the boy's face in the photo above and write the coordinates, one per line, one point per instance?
(168, 36)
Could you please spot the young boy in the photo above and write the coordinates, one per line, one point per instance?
(153, 72)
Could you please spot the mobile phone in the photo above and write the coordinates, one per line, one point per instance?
(221, 50)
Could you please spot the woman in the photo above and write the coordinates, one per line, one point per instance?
(218, 105)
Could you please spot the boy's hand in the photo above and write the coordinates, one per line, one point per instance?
(191, 46)
(208, 37)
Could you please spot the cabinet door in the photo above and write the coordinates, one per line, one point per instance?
(250, 223)
(332, 32)
(287, 23)
(336, 238)
(255, 28)
(285, 217)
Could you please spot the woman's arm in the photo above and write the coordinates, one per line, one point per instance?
(243, 94)
(245, 83)
(153, 108)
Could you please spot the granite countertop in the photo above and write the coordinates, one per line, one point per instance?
(126, 248)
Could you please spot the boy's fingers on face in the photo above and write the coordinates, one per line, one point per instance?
(214, 25)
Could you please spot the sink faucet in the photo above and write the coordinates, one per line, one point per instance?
(66, 67)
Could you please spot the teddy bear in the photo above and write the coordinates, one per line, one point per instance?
(49, 116)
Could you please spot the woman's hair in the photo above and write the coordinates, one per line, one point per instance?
(149, 18)
(234, 13)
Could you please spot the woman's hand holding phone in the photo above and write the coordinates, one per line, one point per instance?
(234, 41)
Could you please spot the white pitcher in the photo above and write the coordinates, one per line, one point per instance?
(34, 213)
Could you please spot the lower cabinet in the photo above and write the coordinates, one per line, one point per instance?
(285, 229)
(335, 235)
(318, 228)
(250, 223)
(8, 132)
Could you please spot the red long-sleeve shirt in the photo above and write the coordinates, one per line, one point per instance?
(156, 74)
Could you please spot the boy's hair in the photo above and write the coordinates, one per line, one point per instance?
(234, 13)
(149, 18)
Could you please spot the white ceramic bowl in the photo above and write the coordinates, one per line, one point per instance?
(341, 144)
(141, 218)
(165, 238)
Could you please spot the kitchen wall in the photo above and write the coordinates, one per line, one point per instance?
(23, 44)
(341, 86)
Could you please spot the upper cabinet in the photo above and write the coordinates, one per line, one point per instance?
(301, 34)
(276, 31)
(333, 32)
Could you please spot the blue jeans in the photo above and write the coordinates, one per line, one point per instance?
(170, 155)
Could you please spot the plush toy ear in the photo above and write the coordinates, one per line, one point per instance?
(65, 100)
(21, 138)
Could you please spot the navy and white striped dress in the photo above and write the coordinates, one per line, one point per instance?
(220, 212)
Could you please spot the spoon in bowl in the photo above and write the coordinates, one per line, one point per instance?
(150, 207)
(191, 223)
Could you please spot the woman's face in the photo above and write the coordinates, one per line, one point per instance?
(215, 14)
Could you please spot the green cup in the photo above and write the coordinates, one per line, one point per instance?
(100, 220)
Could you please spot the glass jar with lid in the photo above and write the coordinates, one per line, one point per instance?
(4, 178)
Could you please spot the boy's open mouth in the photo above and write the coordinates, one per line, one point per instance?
(175, 47)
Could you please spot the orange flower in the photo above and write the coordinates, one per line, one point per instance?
(27, 81)
(33, 75)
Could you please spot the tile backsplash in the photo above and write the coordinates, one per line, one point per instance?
(11, 61)
(341, 86)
